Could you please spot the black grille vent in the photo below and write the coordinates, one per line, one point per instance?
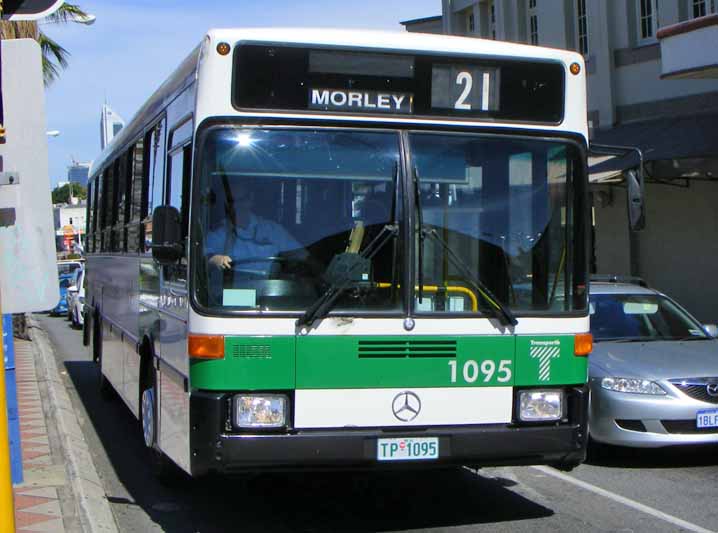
(631, 425)
(685, 427)
(407, 348)
(698, 391)
(252, 351)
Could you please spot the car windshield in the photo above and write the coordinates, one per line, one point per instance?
(281, 214)
(649, 317)
(67, 268)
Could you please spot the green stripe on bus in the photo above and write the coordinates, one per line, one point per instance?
(250, 363)
(338, 362)
(548, 360)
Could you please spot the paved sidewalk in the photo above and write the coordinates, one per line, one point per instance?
(61, 490)
(38, 499)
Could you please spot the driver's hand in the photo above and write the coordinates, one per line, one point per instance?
(223, 262)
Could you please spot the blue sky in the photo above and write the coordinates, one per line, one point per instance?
(134, 45)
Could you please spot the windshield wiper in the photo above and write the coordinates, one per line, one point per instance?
(499, 310)
(324, 303)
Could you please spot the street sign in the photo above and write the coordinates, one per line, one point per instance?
(28, 266)
(19, 10)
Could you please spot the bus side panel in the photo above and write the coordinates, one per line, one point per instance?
(174, 368)
(129, 311)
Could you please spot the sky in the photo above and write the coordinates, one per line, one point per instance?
(135, 44)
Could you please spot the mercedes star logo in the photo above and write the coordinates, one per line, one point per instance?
(406, 406)
(711, 389)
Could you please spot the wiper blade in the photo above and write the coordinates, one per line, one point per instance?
(499, 310)
(324, 303)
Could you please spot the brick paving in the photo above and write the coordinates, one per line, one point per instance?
(37, 499)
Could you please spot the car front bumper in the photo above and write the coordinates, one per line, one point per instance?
(646, 421)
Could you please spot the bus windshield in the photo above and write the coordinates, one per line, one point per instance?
(281, 215)
(505, 215)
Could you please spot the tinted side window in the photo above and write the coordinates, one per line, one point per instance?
(137, 192)
(156, 171)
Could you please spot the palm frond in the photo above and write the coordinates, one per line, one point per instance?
(54, 58)
(66, 13)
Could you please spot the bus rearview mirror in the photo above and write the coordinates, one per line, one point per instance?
(636, 204)
(166, 234)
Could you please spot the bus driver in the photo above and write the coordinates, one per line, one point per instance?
(245, 236)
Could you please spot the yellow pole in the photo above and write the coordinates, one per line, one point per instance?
(7, 505)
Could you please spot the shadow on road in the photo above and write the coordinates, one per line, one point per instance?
(669, 457)
(381, 501)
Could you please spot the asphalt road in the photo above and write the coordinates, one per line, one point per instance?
(644, 490)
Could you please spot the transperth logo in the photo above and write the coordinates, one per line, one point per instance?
(545, 351)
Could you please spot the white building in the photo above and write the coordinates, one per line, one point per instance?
(110, 125)
(635, 99)
(70, 226)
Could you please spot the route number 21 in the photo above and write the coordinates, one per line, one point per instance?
(472, 371)
(465, 79)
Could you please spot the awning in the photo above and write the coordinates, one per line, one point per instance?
(673, 147)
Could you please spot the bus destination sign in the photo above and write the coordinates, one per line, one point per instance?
(363, 101)
(275, 77)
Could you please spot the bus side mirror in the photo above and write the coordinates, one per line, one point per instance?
(167, 245)
(636, 203)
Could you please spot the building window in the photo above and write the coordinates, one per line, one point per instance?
(470, 23)
(699, 8)
(492, 19)
(582, 26)
(533, 22)
(648, 19)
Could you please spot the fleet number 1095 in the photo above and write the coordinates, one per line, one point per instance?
(472, 371)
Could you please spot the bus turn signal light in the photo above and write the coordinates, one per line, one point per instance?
(205, 346)
(582, 344)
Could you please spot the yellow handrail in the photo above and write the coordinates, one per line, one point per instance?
(447, 288)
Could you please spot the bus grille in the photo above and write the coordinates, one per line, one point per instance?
(407, 348)
(251, 351)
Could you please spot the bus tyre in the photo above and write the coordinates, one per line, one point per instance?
(107, 393)
(164, 470)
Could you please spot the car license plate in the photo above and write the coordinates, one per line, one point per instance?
(407, 449)
(707, 419)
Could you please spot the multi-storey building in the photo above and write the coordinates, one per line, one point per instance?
(78, 172)
(638, 55)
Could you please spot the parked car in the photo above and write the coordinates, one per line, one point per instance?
(68, 267)
(61, 308)
(653, 373)
(76, 298)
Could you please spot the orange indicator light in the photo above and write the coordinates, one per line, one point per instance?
(223, 49)
(575, 68)
(205, 346)
(582, 344)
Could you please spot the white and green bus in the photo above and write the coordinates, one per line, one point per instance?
(335, 249)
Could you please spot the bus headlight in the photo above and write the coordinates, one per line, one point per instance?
(260, 410)
(540, 405)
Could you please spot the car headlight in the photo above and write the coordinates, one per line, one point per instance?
(260, 410)
(632, 385)
(540, 405)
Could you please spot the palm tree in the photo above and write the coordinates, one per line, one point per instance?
(54, 56)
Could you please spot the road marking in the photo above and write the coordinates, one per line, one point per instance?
(625, 501)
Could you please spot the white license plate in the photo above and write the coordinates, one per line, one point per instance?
(407, 449)
(707, 419)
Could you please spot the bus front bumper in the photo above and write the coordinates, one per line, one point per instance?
(561, 445)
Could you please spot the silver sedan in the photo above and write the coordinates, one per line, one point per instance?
(653, 372)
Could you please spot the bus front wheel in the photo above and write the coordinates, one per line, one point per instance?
(164, 469)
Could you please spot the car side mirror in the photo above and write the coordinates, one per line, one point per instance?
(636, 204)
(711, 329)
(167, 246)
